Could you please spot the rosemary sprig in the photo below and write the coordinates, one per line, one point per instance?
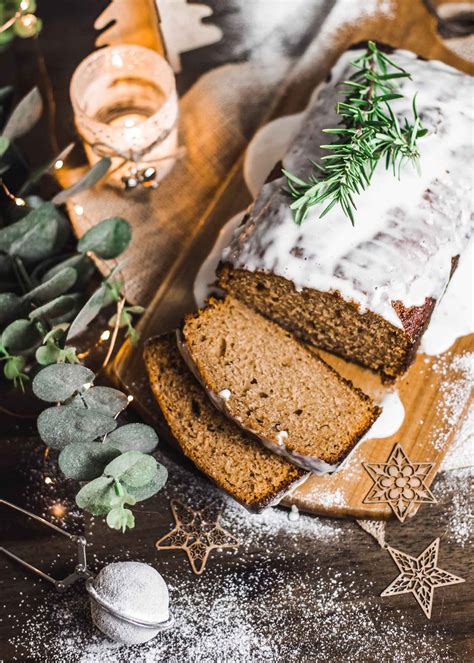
(368, 132)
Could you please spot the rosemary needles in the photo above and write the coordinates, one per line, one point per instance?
(369, 131)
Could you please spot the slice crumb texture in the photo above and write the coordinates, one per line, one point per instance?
(279, 390)
(235, 461)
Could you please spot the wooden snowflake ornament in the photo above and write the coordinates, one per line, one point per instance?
(399, 483)
(420, 576)
(197, 532)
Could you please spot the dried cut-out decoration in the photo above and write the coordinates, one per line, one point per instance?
(399, 483)
(376, 529)
(183, 30)
(420, 576)
(197, 532)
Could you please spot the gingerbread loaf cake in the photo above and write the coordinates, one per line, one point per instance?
(365, 292)
(233, 460)
(273, 386)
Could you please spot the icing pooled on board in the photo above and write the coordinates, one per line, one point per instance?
(407, 230)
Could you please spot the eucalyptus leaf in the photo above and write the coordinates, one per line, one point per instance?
(37, 174)
(41, 233)
(21, 337)
(120, 519)
(86, 461)
(60, 309)
(25, 115)
(4, 145)
(13, 166)
(47, 354)
(134, 437)
(150, 488)
(95, 174)
(107, 239)
(96, 496)
(34, 201)
(6, 98)
(62, 425)
(57, 383)
(13, 368)
(103, 399)
(99, 299)
(133, 468)
(83, 266)
(11, 307)
(53, 287)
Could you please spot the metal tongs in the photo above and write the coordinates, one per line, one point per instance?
(80, 571)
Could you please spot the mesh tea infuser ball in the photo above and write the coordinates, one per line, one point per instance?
(129, 602)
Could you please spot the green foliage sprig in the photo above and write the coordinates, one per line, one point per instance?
(42, 301)
(43, 308)
(369, 131)
(113, 460)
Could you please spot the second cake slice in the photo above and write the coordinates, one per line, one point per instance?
(274, 387)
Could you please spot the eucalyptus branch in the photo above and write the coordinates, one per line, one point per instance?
(369, 131)
(113, 338)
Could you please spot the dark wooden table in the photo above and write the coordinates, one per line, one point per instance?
(305, 590)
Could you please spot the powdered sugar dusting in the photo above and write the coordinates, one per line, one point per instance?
(249, 605)
(455, 393)
(461, 452)
(213, 623)
(459, 485)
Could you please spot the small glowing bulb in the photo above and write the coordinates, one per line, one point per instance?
(117, 60)
(58, 510)
(24, 5)
(105, 335)
(48, 480)
(87, 385)
(59, 164)
(20, 202)
(129, 398)
(79, 210)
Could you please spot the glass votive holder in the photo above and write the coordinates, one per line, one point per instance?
(126, 107)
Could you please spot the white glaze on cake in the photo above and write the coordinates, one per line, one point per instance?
(407, 231)
(390, 419)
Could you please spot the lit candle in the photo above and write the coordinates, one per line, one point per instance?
(126, 107)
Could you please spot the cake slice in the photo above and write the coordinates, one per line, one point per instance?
(273, 386)
(233, 460)
(365, 292)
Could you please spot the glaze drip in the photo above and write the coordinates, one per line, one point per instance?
(407, 230)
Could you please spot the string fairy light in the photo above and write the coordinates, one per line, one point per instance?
(21, 202)
(28, 22)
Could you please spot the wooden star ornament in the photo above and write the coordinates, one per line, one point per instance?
(197, 532)
(399, 483)
(420, 576)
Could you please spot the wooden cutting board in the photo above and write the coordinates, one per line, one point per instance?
(434, 392)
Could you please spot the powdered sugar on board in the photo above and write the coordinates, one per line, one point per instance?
(455, 394)
(250, 604)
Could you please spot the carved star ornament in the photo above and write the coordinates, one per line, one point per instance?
(399, 483)
(420, 576)
(197, 532)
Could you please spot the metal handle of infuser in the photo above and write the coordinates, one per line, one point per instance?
(80, 570)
